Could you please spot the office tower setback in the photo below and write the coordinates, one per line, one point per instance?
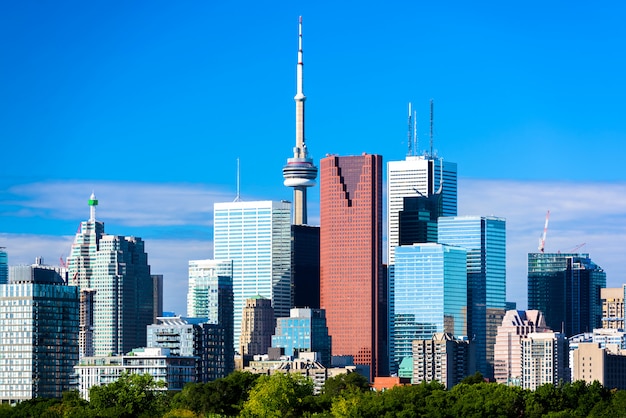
(39, 335)
(116, 268)
(613, 307)
(484, 238)
(257, 326)
(157, 295)
(418, 176)
(443, 358)
(300, 173)
(256, 236)
(508, 347)
(305, 266)
(210, 293)
(566, 288)
(304, 331)
(351, 258)
(544, 359)
(4, 266)
(430, 295)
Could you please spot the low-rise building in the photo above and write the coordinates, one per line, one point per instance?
(606, 364)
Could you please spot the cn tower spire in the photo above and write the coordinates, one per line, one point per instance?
(299, 173)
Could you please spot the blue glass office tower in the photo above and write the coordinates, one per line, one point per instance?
(304, 331)
(566, 288)
(430, 294)
(4, 266)
(484, 238)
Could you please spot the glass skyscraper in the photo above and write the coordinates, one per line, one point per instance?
(4, 266)
(256, 236)
(484, 238)
(566, 288)
(39, 335)
(116, 268)
(304, 331)
(210, 293)
(430, 294)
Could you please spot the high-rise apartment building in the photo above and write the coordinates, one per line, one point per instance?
(210, 293)
(442, 358)
(256, 236)
(4, 266)
(351, 279)
(257, 326)
(484, 238)
(116, 268)
(566, 288)
(508, 347)
(418, 176)
(430, 295)
(613, 307)
(544, 359)
(304, 331)
(39, 335)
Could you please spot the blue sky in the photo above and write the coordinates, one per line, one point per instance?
(149, 104)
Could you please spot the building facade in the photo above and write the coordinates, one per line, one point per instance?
(210, 293)
(508, 346)
(175, 371)
(256, 236)
(605, 364)
(442, 358)
(351, 276)
(305, 266)
(566, 288)
(484, 238)
(613, 307)
(4, 266)
(38, 336)
(430, 295)
(304, 331)
(544, 359)
(257, 326)
(116, 268)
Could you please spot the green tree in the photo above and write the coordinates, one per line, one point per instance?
(132, 395)
(281, 395)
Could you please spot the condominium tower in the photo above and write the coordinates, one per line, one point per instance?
(566, 288)
(116, 268)
(351, 279)
(484, 238)
(256, 236)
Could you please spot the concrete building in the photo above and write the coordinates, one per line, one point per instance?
(257, 326)
(613, 307)
(484, 238)
(351, 274)
(430, 295)
(38, 336)
(256, 236)
(508, 346)
(210, 344)
(606, 364)
(175, 371)
(116, 268)
(544, 359)
(566, 288)
(300, 172)
(443, 358)
(304, 331)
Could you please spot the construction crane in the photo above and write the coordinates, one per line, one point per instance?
(542, 240)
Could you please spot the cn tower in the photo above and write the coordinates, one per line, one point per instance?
(299, 172)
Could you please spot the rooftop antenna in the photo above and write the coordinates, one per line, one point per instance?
(409, 133)
(238, 197)
(415, 142)
(431, 127)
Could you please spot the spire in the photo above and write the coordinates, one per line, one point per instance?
(300, 148)
(93, 202)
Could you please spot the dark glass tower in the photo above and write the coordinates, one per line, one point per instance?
(566, 288)
(305, 266)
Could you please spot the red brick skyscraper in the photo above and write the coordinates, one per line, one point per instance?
(351, 282)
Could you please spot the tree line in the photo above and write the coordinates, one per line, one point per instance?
(242, 394)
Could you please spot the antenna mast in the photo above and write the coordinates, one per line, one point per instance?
(431, 127)
(415, 142)
(238, 197)
(409, 133)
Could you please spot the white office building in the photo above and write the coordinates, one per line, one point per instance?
(256, 236)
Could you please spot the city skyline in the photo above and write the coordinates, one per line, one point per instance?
(143, 105)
